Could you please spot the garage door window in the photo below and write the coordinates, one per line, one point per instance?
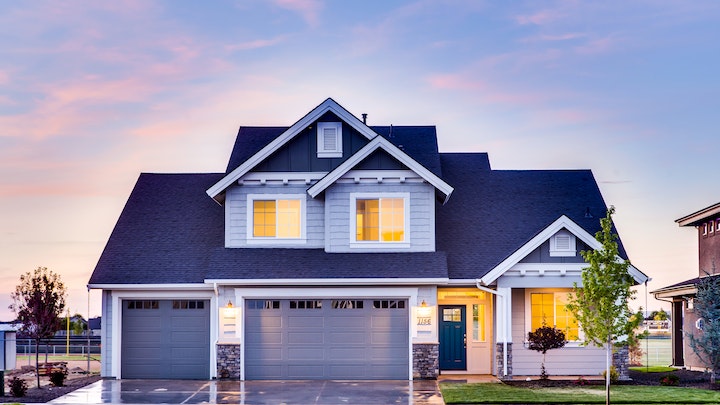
(145, 304)
(262, 304)
(188, 304)
(347, 304)
(389, 304)
(305, 304)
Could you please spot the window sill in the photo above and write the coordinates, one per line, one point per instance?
(276, 241)
(329, 154)
(379, 245)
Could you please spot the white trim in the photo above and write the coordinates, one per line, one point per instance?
(558, 249)
(251, 239)
(277, 178)
(150, 287)
(405, 243)
(118, 296)
(411, 294)
(380, 143)
(331, 281)
(328, 105)
(540, 238)
(329, 153)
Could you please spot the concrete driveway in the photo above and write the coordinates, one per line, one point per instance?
(254, 392)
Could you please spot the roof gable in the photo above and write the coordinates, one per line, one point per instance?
(561, 223)
(380, 143)
(326, 106)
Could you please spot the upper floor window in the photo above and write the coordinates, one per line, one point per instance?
(562, 244)
(329, 139)
(549, 309)
(276, 217)
(381, 220)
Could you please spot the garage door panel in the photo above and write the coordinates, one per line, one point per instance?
(328, 340)
(165, 339)
(306, 353)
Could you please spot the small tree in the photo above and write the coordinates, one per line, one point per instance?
(601, 305)
(706, 342)
(543, 339)
(38, 302)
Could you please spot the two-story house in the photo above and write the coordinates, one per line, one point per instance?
(331, 249)
(706, 223)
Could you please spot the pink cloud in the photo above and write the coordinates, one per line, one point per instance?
(482, 90)
(256, 44)
(308, 9)
(542, 17)
(597, 46)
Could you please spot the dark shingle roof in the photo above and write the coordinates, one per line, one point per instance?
(501, 210)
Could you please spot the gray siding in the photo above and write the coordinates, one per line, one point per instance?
(106, 335)
(587, 360)
(236, 220)
(421, 216)
(542, 254)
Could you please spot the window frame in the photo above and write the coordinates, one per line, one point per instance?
(252, 239)
(329, 153)
(528, 312)
(354, 243)
(555, 251)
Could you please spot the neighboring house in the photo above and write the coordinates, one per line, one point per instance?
(331, 249)
(681, 295)
(95, 326)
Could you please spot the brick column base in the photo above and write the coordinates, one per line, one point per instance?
(500, 361)
(426, 363)
(228, 360)
(621, 361)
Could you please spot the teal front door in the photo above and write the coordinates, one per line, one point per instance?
(453, 353)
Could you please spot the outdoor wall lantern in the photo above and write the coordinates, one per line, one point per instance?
(424, 311)
(229, 311)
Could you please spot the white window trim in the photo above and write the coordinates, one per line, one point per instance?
(379, 244)
(328, 153)
(275, 240)
(528, 313)
(555, 251)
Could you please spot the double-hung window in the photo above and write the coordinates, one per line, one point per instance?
(276, 217)
(379, 219)
(549, 309)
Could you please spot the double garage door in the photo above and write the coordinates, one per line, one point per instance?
(165, 339)
(326, 339)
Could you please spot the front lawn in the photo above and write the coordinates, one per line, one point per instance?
(489, 393)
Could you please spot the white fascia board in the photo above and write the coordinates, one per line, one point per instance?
(674, 292)
(699, 216)
(290, 133)
(545, 234)
(376, 143)
(157, 287)
(328, 281)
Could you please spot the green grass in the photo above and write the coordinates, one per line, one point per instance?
(653, 369)
(489, 393)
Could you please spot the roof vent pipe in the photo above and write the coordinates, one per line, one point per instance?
(364, 115)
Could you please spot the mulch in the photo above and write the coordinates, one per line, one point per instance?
(687, 378)
(48, 393)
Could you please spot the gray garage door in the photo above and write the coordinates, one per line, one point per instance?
(326, 339)
(165, 339)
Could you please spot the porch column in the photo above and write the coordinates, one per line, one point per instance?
(676, 333)
(503, 336)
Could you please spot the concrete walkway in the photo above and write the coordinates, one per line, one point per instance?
(255, 392)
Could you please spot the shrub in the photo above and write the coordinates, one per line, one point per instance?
(57, 378)
(18, 387)
(670, 379)
(614, 375)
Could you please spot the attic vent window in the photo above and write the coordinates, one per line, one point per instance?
(562, 244)
(329, 139)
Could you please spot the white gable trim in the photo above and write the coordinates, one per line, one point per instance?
(540, 238)
(290, 133)
(380, 143)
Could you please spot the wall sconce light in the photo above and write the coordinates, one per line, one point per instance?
(423, 304)
(424, 310)
(229, 304)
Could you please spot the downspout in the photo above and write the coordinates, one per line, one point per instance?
(504, 308)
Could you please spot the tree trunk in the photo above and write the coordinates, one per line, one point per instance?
(37, 361)
(608, 357)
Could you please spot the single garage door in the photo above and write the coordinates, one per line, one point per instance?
(326, 339)
(165, 339)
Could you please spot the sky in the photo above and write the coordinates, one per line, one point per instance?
(94, 93)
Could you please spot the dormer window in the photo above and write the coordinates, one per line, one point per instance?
(562, 244)
(329, 139)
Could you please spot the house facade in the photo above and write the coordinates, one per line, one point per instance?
(684, 319)
(331, 249)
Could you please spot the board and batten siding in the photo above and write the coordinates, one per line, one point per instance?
(578, 360)
(236, 220)
(421, 216)
(106, 335)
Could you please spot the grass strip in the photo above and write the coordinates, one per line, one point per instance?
(489, 393)
(653, 369)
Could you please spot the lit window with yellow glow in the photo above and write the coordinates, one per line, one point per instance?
(549, 309)
(276, 218)
(478, 322)
(380, 220)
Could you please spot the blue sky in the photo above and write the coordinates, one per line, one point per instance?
(93, 93)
